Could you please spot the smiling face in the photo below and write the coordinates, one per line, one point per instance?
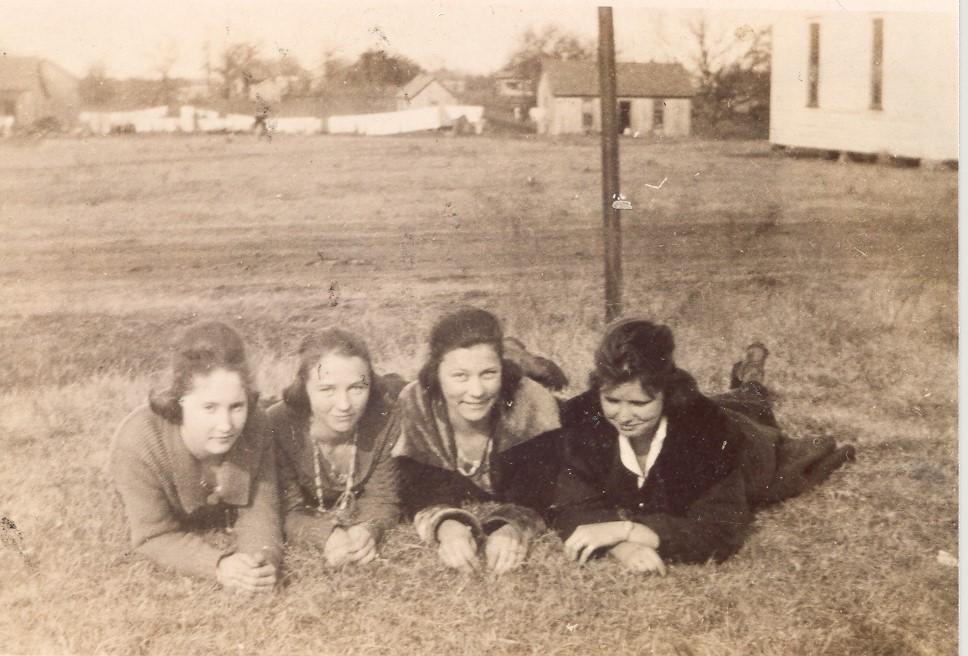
(213, 413)
(631, 410)
(338, 389)
(470, 381)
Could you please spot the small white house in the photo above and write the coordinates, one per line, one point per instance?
(651, 97)
(867, 83)
(425, 91)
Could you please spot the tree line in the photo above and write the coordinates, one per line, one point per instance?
(731, 73)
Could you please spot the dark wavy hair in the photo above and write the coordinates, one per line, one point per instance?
(312, 349)
(464, 328)
(642, 351)
(199, 350)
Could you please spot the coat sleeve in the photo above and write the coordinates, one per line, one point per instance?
(525, 520)
(713, 527)
(155, 529)
(379, 503)
(580, 498)
(257, 526)
(433, 495)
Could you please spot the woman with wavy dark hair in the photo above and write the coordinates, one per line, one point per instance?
(332, 432)
(197, 457)
(654, 471)
(466, 429)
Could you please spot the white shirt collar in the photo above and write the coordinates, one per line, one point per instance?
(627, 454)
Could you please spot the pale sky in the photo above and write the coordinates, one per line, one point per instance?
(470, 35)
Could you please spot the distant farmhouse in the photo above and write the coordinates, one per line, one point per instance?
(866, 83)
(426, 90)
(35, 91)
(652, 97)
(511, 85)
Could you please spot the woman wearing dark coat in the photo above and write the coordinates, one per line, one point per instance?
(654, 471)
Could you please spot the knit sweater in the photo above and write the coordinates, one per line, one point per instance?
(434, 488)
(161, 486)
(375, 481)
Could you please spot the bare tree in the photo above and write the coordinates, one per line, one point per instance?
(96, 88)
(732, 74)
(236, 66)
(550, 42)
(163, 57)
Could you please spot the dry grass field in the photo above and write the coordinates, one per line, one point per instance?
(847, 271)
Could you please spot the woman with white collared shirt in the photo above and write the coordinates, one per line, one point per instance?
(654, 471)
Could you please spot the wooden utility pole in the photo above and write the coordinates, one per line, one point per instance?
(610, 192)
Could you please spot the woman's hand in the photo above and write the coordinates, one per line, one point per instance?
(639, 558)
(457, 549)
(588, 538)
(241, 572)
(337, 548)
(505, 549)
(361, 545)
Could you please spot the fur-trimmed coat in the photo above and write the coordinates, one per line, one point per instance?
(433, 487)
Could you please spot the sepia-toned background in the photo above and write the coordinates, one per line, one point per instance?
(792, 177)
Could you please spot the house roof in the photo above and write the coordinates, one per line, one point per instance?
(418, 84)
(506, 74)
(650, 80)
(19, 73)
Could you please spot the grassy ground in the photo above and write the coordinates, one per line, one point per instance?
(848, 271)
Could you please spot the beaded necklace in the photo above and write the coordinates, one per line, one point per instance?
(344, 504)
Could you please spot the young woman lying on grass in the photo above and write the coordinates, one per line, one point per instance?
(331, 431)
(198, 457)
(465, 427)
(653, 471)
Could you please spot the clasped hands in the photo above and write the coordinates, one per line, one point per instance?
(634, 545)
(504, 550)
(242, 572)
(354, 544)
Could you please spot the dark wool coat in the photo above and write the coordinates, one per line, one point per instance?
(695, 497)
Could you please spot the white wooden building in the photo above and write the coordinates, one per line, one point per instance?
(866, 83)
(651, 97)
(425, 91)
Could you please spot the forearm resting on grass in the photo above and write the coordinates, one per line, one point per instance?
(586, 539)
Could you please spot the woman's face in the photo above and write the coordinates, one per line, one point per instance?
(470, 381)
(214, 411)
(631, 410)
(338, 388)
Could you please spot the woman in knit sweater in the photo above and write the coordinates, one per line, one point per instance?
(331, 432)
(654, 471)
(198, 457)
(465, 436)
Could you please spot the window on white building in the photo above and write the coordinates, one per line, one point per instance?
(813, 68)
(877, 65)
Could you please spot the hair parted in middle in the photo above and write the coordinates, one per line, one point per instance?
(197, 351)
(314, 348)
(640, 350)
(464, 328)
